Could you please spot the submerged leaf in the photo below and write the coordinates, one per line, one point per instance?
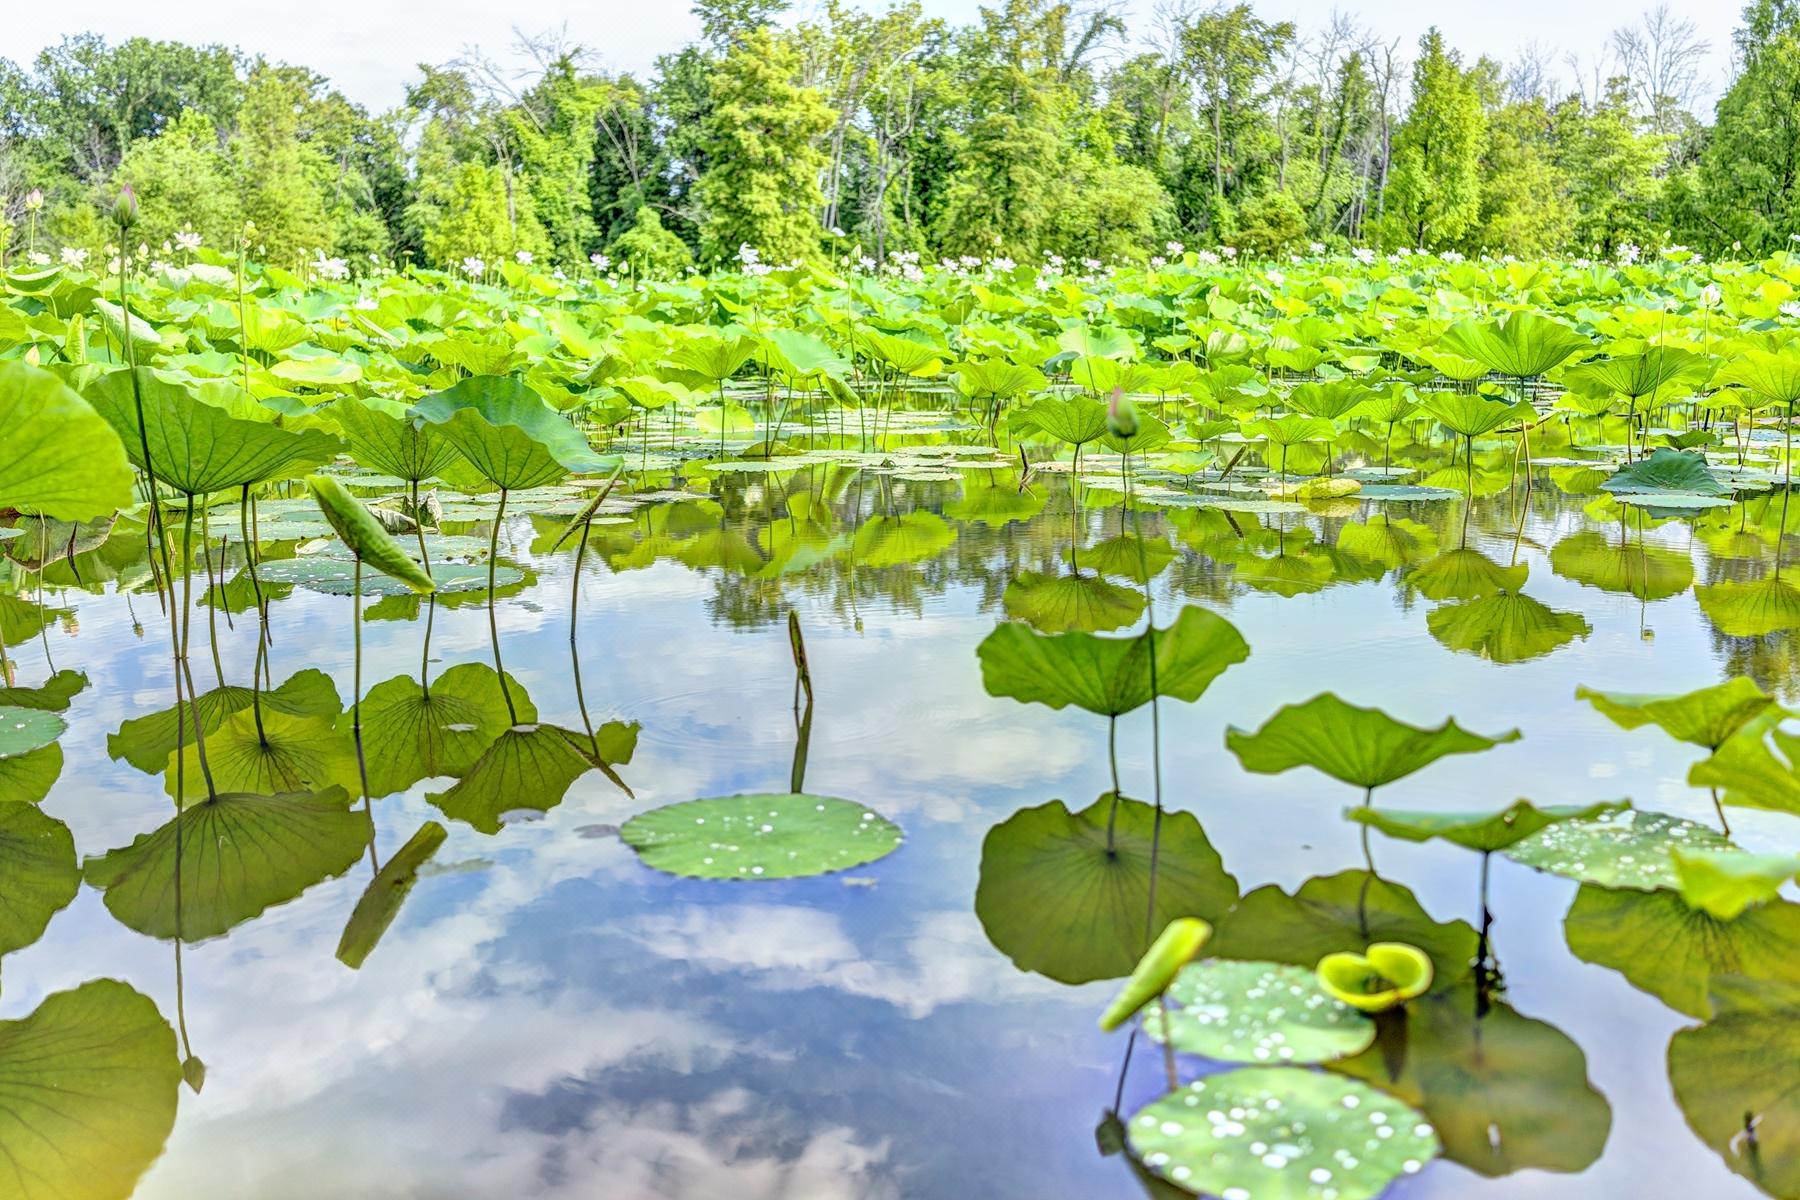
(1258, 1012)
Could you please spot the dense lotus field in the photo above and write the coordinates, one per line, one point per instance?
(1514, 503)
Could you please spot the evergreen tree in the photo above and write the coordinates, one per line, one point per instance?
(761, 185)
(1433, 195)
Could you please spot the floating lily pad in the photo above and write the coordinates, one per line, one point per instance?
(337, 576)
(88, 1087)
(1274, 1133)
(1406, 491)
(1258, 1012)
(1628, 848)
(1055, 899)
(1483, 831)
(23, 730)
(239, 854)
(760, 836)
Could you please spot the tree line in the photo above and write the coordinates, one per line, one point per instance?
(1040, 129)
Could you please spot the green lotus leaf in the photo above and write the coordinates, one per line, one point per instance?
(239, 854)
(1736, 1076)
(1066, 894)
(1173, 949)
(1523, 345)
(1293, 429)
(1635, 569)
(1109, 676)
(1000, 380)
(1258, 1012)
(761, 836)
(1773, 375)
(60, 458)
(713, 359)
(1334, 400)
(1346, 911)
(507, 431)
(1470, 415)
(147, 742)
(1385, 976)
(384, 437)
(1363, 747)
(1071, 603)
(413, 733)
(1704, 717)
(1667, 473)
(894, 541)
(1638, 375)
(1485, 832)
(23, 730)
(1756, 768)
(363, 534)
(1723, 883)
(905, 354)
(1623, 848)
(198, 447)
(1275, 1133)
(337, 576)
(1505, 627)
(380, 903)
(1465, 574)
(1665, 946)
(1088, 341)
(1076, 419)
(54, 695)
(88, 1086)
(528, 768)
(40, 876)
(1507, 1093)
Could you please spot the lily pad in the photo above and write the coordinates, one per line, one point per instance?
(1274, 1133)
(1483, 831)
(1258, 1012)
(1626, 848)
(23, 730)
(1667, 473)
(1055, 899)
(337, 576)
(760, 836)
(88, 1086)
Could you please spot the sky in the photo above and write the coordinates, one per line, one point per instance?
(370, 49)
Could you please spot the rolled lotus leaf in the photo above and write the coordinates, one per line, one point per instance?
(1173, 949)
(1385, 976)
(364, 534)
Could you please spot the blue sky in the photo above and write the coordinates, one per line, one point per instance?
(369, 48)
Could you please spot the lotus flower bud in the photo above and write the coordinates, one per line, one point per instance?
(34, 199)
(125, 208)
(1121, 416)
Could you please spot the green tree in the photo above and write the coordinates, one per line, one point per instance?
(277, 172)
(183, 180)
(649, 249)
(1433, 195)
(1525, 204)
(1613, 169)
(1748, 176)
(761, 185)
(480, 217)
(553, 125)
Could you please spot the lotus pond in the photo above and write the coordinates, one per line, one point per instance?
(1316, 732)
